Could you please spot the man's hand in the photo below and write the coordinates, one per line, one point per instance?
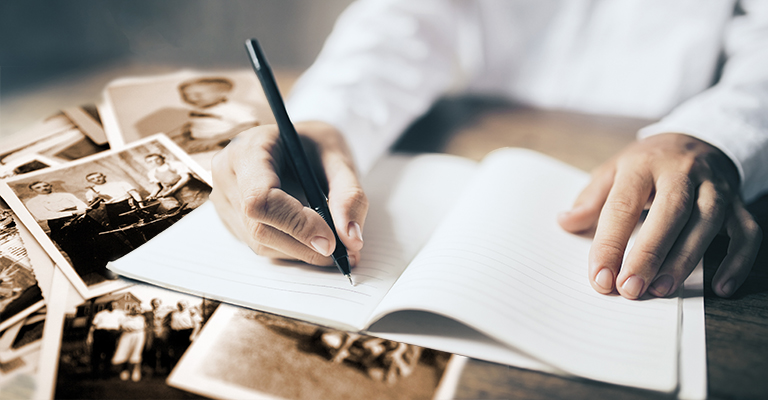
(692, 190)
(249, 192)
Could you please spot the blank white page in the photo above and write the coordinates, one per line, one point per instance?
(409, 196)
(501, 264)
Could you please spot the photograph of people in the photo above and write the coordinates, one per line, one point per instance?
(102, 338)
(119, 197)
(130, 346)
(106, 350)
(95, 210)
(75, 233)
(214, 118)
(269, 352)
(174, 180)
(200, 110)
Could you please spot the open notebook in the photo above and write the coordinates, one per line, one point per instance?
(459, 256)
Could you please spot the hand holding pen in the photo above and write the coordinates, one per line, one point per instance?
(249, 195)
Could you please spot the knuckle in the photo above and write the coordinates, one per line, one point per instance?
(609, 251)
(680, 202)
(356, 198)
(256, 204)
(752, 230)
(682, 182)
(712, 207)
(260, 233)
(298, 226)
(622, 207)
(649, 257)
(262, 204)
(683, 260)
(316, 259)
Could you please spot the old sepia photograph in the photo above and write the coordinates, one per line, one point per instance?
(70, 134)
(96, 209)
(200, 111)
(249, 354)
(124, 344)
(20, 346)
(20, 294)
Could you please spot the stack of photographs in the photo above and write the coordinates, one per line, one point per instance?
(90, 184)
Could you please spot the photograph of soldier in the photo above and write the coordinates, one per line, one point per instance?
(105, 344)
(97, 209)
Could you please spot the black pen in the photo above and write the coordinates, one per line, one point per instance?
(309, 183)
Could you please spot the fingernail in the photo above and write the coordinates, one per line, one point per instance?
(661, 286)
(355, 231)
(352, 260)
(604, 279)
(728, 287)
(321, 245)
(633, 286)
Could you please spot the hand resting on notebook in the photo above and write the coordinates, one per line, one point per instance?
(692, 191)
(250, 183)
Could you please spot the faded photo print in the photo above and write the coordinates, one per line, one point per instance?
(98, 209)
(68, 135)
(200, 111)
(20, 294)
(250, 354)
(124, 344)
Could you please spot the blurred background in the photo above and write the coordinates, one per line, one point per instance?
(55, 54)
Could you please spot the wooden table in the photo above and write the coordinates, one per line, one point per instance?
(736, 328)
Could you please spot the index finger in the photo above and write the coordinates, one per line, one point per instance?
(618, 220)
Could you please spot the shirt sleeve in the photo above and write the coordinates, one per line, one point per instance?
(383, 65)
(126, 186)
(90, 194)
(733, 114)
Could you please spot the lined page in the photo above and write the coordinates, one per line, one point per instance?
(409, 196)
(501, 264)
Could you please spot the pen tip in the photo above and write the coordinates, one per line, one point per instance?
(350, 279)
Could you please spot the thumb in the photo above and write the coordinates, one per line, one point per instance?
(583, 216)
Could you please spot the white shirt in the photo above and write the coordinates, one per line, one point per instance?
(54, 205)
(218, 119)
(132, 323)
(182, 320)
(169, 167)
(387, 61)
(113, 191)
(109, 320)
